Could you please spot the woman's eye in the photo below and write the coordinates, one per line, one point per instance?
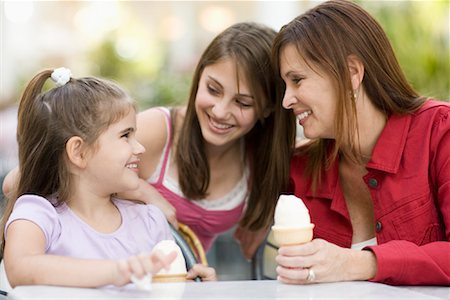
(125, 135)
(296, 80)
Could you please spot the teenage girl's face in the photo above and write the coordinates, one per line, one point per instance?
(310, 95)
(225, 112)
(113, 165)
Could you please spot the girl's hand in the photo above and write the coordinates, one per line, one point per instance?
(321, 261)
(205, 273)
(141, 265)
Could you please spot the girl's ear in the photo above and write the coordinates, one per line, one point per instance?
(76, 151)
(267, 111)
(356, 69)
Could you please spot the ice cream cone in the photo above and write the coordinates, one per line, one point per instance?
(169, 278)
(284, 235)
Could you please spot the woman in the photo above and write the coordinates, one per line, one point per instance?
(222, 159)
(376, 174)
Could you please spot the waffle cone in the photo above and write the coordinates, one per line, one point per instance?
(292, 235)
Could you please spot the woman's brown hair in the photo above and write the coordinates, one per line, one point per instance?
(269, 143)
(325, 36)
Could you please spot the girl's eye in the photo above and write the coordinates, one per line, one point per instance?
(125, 135)
(243, 104)
(212, 90)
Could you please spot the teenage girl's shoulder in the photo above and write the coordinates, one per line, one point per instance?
(152, 127)
(152, 132)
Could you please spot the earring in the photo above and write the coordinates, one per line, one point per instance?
(355, 95)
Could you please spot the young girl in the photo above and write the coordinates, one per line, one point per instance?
(77, 148)
(224, 157)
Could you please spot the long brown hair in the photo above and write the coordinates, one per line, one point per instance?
(325, 36)
(82, 107)
(268, 144)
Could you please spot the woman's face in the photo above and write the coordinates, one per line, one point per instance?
(225, 107)
(310, 95)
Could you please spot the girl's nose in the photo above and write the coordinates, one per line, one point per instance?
(221, 109)
(138, 148)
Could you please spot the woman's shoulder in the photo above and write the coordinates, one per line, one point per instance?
(433, 112)
(431, 106)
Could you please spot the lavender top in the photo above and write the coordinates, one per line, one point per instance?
(66, 234)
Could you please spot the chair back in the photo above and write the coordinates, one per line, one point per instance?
(190, 246)
(263, 262)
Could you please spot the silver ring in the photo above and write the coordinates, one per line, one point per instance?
(311, 275)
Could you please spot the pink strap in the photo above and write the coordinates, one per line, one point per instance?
(168, 145)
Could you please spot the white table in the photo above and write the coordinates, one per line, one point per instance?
(262, 289)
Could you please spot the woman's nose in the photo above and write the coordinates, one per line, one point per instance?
(289, 99)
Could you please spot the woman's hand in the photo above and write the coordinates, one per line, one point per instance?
(205, 273)
(321, 261)
(149, 195)
(249, 240)
(141, 265)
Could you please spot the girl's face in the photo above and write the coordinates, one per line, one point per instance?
(113, 165)
(225, 112)
(310, 95)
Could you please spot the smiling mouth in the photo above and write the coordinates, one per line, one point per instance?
(303, 115)
(219, 126)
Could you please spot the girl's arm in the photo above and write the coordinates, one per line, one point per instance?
(27, 264)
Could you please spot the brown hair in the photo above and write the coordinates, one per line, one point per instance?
(268, 144)
(325, 36)
(82, 107)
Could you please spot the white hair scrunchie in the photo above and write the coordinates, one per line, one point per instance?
(61, 76)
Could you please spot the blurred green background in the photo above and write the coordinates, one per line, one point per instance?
(418, 30)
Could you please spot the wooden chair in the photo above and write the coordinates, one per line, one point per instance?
(190, 246)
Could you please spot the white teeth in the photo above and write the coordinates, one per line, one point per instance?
(303, 115)
(220, 126)
(132, 166)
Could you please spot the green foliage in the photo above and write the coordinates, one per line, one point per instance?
(418, 30)
(147, 86)
(419, 33)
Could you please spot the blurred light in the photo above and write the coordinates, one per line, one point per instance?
(127, 47)
(172, 28)
(97, 18)
(216, 18)
(19, 11)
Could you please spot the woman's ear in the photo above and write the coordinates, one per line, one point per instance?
(356, 69)
(76, 151)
